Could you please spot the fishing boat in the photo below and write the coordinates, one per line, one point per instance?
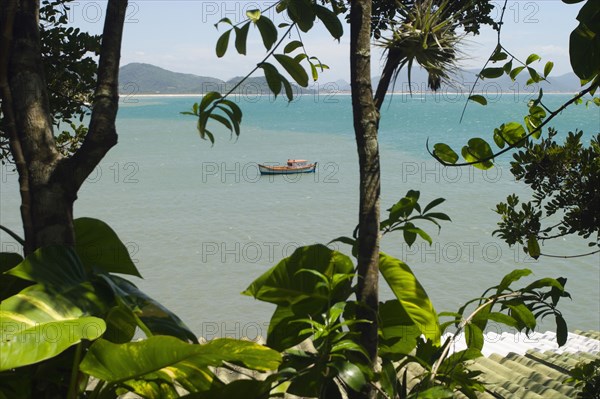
(292, 166)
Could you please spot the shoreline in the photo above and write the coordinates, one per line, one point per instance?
(333, 93)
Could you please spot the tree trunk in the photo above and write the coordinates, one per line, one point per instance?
(366, 120)
(48, 181)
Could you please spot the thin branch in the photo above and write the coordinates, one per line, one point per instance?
(571, 256)
(487, 62)
(102, 135)
(238, 84)
(521, 140)
(462, 325)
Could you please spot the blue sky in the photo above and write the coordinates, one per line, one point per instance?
(180, 36)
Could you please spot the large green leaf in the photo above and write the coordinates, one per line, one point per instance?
(398, 332)
(157, 318)
(99, 246)
(273, 77)
(283, 333)
(55, 267)
(241, 36)
(10, 285)
(301, 12)
(477, 150)
(268, 31)
(330, 20)
(584, 52)
(445, 153)
(120, 362)
(283, 285)
(411, 295)
(294, 68)
(37, 325)
(510, 278)
(222, 43)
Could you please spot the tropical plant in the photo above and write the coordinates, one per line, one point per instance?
(315, 323)
(66, 316)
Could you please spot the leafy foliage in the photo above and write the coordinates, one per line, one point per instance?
(58, 300)
(587, 376)
(302, 14)
(565, 180)
(70, 71)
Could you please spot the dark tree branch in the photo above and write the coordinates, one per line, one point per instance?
(102, 135)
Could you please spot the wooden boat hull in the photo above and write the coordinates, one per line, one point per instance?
(286, 170)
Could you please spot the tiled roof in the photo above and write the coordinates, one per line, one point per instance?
(534, 367)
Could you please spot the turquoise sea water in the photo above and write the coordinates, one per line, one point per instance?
(202, 224)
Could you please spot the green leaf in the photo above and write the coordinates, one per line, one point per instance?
(584, 52)
(533, 248)
(120, 362)
(474, 336)
(330, 20)
(411, 295)
(273, 77)
(224, 20)
(301, 12)
(241, 36)
(535, 77)
(562, 332)
(45, 340)
(283, 286)
(512, 132)
(55, 267)
(478, 99)
(498, 55)
(120, 325)
(207, 99)
(155, 317)
(289, 93)
(222, 43)
(502, 318)
(10, 285)
(508, 67)
(433, 204)
(398, 332)
(437, 392)
(477, 150)
(409, 234)
(253, 15)
(283, 333)
(515, 72)
(293, 68)
(268, 31)
(532, 58)
(403, 208)
(291, 46)
(523, 315)
(98, 246)
(548, 68)
(445, 153)
(38, 325)
(510, 278)
(350, 374)
(491, 73)
(544, 282)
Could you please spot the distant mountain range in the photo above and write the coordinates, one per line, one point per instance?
(137, 78)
